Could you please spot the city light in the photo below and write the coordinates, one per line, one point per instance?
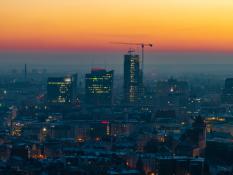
(124, 87)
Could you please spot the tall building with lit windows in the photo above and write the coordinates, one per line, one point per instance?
(133, 86)
(61, 90)
(98, 87)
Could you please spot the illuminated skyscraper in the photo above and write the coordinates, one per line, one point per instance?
(132, 79)
(61, 90)
(99, 85)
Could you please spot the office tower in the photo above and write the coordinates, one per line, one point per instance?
(98, 87)
(25, 71)
(227, 95)
(61, 90)
(74, 86)
(133, 87)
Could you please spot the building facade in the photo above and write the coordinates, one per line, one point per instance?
(133, 86)
(61, 90)
(99, 87)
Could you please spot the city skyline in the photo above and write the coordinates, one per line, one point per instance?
(80, 26)
(116, 87)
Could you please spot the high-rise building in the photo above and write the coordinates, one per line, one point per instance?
(227, 95)
(61, 90)
(133, 86)
(25, 71)
(99, 86)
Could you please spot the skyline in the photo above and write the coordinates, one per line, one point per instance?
(116, 87)
(80, 26)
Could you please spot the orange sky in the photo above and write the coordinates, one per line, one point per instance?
(173, 25)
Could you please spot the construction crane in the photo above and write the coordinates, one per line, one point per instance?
(142, 45)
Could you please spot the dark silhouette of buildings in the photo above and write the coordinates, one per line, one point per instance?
(181, 166)
(171, 93)
(99, 87)
(193, 141)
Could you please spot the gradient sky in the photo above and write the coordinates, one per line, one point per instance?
(80, 25)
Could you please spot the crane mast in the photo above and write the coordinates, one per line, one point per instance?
(142, 45)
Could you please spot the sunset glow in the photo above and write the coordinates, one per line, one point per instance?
(79, 25)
